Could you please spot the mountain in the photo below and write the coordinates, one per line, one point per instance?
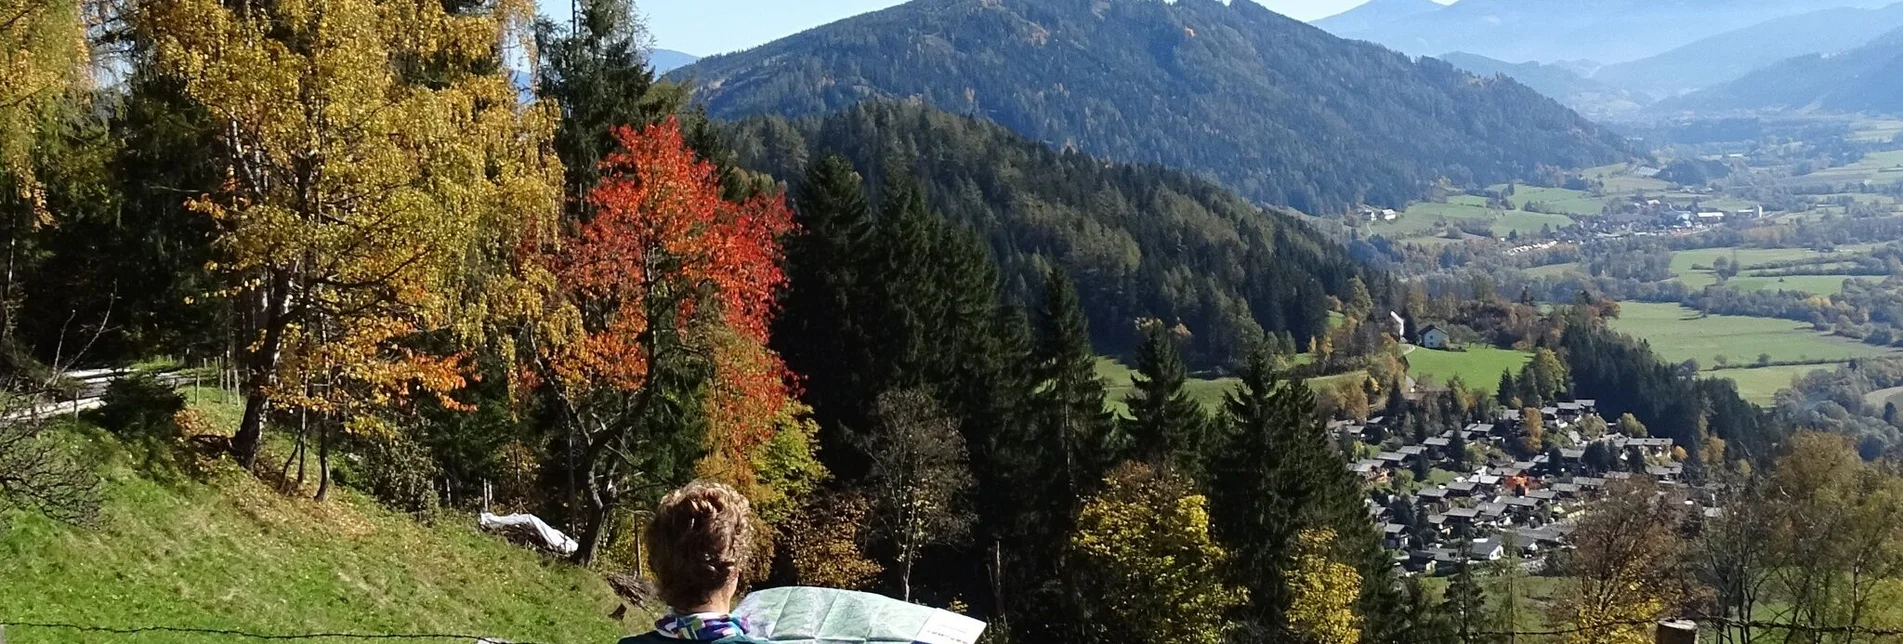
(1276, 109)
(1859, 80)
(667, 60)
(1733, 54)
(1589, 97)
(1609, 31)
(1376, 13)
(1141, 241)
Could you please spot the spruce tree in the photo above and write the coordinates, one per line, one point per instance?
(1464, 605)
(1074, 423)
(1165, 425)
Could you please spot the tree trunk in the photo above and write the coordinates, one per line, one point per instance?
(323, 461)
(261, 367)
(590, 542)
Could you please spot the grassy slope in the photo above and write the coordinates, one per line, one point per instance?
(1480, 367)
(1676, 333)
(1683, 261)
(218, 548)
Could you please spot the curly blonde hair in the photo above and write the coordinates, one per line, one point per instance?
(700, 537)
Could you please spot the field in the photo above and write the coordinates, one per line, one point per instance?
(1881, 396)
(1479, 367)
(1812, 284)
(1116, 378)
(200, 544)
(1421, 218)
(1684, 260)
(1619, 180)
(1572, 202)
(1678, 334)
(1878, 167)
(1552, 270)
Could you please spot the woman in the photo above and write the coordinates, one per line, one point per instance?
(699, 543)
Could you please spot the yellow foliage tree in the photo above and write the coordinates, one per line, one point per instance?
(823, 543)
(1148, 564)
(1625, 573)
(382, 172)
(42, 62)
(1322, 593)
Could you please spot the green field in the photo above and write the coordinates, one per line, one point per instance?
(1618, 180)
(1422, 218)
(1761, 384)
(1812, 284)
(1684, 260)
(1479, 367)
(1877, 167)
(1116, 378)
(1678, 334)
(1881, 396)
(1572, 202)
(203, 544)
(1552, 270)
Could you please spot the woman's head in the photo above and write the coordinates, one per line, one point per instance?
(698, 543)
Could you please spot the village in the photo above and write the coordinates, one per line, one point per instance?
(1495, 506)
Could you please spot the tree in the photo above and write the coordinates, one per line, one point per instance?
(1151, 570)
(1322, 593)
(382, 170)
(1630, 426)
(1532, 432)
(822, 543)
(1625, 571)
(1073, 423)
(43, 53)
(1465, 604)
(1166, 425)
(919, 480)
(1507, 392)
(652, 337)
(593, 69)
(38, 472)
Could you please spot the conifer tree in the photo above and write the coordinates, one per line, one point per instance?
(1464, 605)
(1165, 425)
(1074, 425)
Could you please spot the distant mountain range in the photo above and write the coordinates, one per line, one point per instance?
(1607, 31)
(1564, 83)
(1864, 79)
(1280, 111)
(667, 60)
(1733, 54)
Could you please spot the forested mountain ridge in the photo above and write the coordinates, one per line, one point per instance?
(1141, 241)
(1277, 110)
(1859, 80)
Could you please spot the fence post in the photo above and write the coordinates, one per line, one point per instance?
(1675, 631)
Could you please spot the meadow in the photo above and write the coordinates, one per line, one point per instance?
(1577, 203)
(1678, 334)
(1877, 167)
(1479, 367)
(1683, 262)
(1421, 219)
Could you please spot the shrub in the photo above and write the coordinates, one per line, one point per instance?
(140, 406)
(398, 471)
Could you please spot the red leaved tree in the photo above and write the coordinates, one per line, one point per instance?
(654, 345)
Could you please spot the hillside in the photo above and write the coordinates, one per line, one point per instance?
(1589, 97)
(1608, 31)
(1859, 80)
(1140, 241)
(1733, 54)
(1279, 111)
(201, 544)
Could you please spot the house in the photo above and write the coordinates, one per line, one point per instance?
(1434, 337)
(1486, 550)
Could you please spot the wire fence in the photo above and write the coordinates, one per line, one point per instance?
(233, 633)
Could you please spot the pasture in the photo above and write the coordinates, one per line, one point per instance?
(1420, 220)
(1684, 260)
(1577, 203)
(1678, 334)
(1812, 284)
(1877, 167)
(1479, 367)
(1761, 384)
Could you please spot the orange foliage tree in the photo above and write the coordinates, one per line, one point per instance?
(654, 341)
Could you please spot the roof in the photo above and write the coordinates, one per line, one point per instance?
(1434, 493)
(1391, 456)
(1413, 450)
(1484, 548)
(1431, 328)
(1587, 402)
(1436, 442)
(1463, 513)
(1574, 454)
(1393, 528)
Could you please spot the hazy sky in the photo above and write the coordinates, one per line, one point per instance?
(705, 27)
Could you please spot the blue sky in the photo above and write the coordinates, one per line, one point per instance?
(705, 27)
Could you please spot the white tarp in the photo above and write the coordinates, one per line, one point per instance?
(531, 528)
(800, 614)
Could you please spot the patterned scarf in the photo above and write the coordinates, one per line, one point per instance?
(699, 627)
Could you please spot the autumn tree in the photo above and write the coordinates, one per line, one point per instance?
(823, 544)
(1630, 426)
(42, 65)
(920, 478)
(1532, 432)
(1626, 569)
(381, 171)
(1150, 569)
(1833, 542)
(652, 336)
(1322, 593)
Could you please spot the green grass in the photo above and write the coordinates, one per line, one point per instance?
(1761, 384)
(1677, 333)
(1877, 167)
(1812, 284)
(1879, 397)
(1479, 367)
(1572, 202)
(1684, 260)
(1528, 223)
(1552, 270)
(1421, 219)
(1116, 378)
(207, 545)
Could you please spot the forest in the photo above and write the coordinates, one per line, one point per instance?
(1278, 111)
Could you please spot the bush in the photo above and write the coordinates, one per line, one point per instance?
(140, 406)
(398, 471)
